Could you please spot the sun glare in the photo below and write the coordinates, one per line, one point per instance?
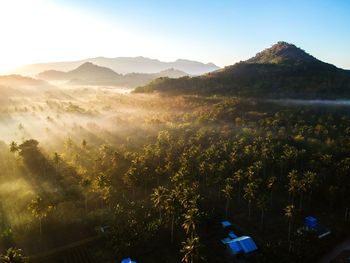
(39, 31)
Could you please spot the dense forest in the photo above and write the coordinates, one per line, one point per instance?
(150, 177)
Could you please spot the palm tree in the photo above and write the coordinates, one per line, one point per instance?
(56, 159)
(290, 154)
(84, 144)
(86, 183)
(171, 207)
(103, 186)
(262, 205)
(249, 194)
(14, 148)
(289, 213)
(270, 185)
(292, 185)
(302, 188)
(190, 249)
(13, 255)
(310, 182)
(190, 221)
(227, 191)
(40, 210)
(238, 178)
(158, 197)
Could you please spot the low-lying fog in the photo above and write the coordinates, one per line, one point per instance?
(312, 102)
(66, 111)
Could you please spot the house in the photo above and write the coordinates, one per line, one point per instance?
(226, 224)
(311, 224)
(237, 245)
(128, 260)
(243, 244)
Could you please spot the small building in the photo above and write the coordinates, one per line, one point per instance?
(232, 235)
(235, 245)
(234, 248)
(311, 224)
(128, 260)
(226, 240)
(226, 224)
(243, 244)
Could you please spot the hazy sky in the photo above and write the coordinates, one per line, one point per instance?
(222, 32)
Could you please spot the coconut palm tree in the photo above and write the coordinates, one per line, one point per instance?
(13, 255)
(39, 210)
(289, 214)
(310, 179)
(262, 206)
(228, 192)
(292, 185)
(56, 159)
(170, 207)
(158, 197)
(14, 148)
(190, 221)
(86, 183)
(301, 188)
(84, 144)
(271, 182)
(238, 177)
(250, 193)
(190, 249)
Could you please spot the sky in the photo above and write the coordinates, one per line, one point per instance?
(221, 31)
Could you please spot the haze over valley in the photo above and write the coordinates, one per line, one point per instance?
(128, 143)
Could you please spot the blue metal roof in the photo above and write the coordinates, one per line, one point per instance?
(226, 223)
(310, 222)
(232, 235)
(246, 243)
(128, 260)
(226, 240)
(235, 247)
(322, 231)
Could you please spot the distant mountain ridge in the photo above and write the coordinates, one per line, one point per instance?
(122, 65)
(281, 71)
(91, 74)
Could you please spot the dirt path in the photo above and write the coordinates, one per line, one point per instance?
(336, 251)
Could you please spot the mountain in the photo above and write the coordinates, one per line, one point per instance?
(282, 71)
(123, 65)
(91, 74)
(18, 80)
(14, 87)
(282, 52)
(87, 72)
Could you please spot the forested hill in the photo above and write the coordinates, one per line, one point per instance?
(282, 71)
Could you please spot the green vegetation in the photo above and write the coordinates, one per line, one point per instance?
(282, 71)
(13, 255)
(161, 172)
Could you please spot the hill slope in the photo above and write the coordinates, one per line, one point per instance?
(91, 74)
(123, 65)
(19, 88)
(282, 71)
